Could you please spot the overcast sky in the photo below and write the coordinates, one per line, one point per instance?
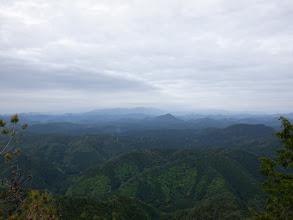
(74, 56)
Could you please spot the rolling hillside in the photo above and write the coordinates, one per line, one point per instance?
(172, 180)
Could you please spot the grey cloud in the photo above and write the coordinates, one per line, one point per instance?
(176, 52)
(15, 74)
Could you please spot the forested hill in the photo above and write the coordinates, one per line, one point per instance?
(218, 180)
(73, 154)
(161, 173)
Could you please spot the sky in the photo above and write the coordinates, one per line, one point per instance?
(79, 55)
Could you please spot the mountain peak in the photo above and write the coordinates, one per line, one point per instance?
(167, 117)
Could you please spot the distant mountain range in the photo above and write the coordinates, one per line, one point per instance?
(122, 120)
(141, 113)
(123, 126)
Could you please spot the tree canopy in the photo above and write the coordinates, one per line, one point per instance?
(279, 183)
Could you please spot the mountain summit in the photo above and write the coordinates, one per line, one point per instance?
(167, 117)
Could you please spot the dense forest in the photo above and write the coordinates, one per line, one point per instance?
(156, 172)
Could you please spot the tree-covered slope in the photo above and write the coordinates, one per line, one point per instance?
(174, 180)
(117, 207)
(102, 181)
(73, 154)
(179, 172)
(35, 172)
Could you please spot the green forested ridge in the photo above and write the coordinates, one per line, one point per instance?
(117, 207)
(176, 174)
(180, 180)
(73, 154)
(115, 172)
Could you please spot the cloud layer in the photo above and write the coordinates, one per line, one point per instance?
(206, 54)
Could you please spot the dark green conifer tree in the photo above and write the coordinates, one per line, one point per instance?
(279, 173)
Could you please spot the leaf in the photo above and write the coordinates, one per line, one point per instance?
(2, 123)
(24, 126)
(14, 119)
(16, 151)
(5, 131)
(8, 157)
